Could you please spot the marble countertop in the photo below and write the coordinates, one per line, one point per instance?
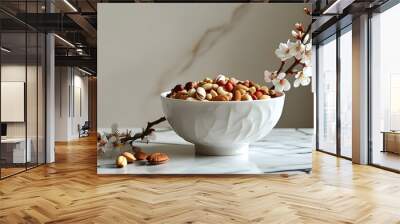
(283, 150)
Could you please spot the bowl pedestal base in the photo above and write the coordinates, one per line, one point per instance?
(221, 150)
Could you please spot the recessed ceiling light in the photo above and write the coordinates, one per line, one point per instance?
(84, 71)
(64, 40)
(5, 50)
(70, 5)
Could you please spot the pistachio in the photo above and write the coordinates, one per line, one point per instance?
(121, 161)
(191, 92)
(220, 77)
(200, 93)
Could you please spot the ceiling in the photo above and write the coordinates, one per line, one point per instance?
(76, 22)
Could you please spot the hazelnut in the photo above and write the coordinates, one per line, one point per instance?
(178, 88)
(130, 158)
(259, 94)
(140, 155)
(121, 161)
(189, 85)
(229, 87)
(209, 96)
(181, 95)
(157, 158)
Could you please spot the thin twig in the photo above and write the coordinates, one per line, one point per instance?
(149, 129)
(281, 67)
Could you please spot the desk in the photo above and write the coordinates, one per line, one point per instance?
(13, 150)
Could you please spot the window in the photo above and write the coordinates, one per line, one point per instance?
(346, 95)
(327, 95)
(385, 90)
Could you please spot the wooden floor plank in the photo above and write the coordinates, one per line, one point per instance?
(70, 191)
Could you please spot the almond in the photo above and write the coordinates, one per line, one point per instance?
(237, 96)
(140, 155)
(220, 98)
(130, 158)
(157, 158)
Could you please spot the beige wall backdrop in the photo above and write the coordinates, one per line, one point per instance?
(145, 49)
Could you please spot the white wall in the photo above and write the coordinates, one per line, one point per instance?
(67, 115)
(148, 48)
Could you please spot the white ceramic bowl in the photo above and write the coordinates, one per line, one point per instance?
(222, 128)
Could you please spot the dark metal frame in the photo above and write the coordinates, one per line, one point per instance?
(339, 32)
(44, 77)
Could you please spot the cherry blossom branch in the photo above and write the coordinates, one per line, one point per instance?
(281, 67)
(149, 129)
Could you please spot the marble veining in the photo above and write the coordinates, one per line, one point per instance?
(283, 150)
(207, 40)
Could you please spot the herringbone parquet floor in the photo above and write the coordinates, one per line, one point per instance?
(70, 191)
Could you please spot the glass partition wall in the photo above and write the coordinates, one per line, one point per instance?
(385, 90)
(22, 99)
(334, 94)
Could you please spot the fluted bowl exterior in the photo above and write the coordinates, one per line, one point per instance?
(222, 127)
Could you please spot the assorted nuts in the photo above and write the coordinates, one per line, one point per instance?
(222, 88)
(152, 159)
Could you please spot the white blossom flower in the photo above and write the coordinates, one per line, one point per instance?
(297, 34)
(269, 76)
(283, 52)
(306, 38)
(297, 49)
(113, 139)
(307, 55)
(299, 26)
(303, 77)
(281, 84)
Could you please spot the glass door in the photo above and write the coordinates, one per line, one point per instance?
(326, 95)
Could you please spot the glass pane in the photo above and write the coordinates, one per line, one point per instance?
(41, 98)
(385, 84)
(346, 93)
(327, 96)
(13, 87)
(31, 98)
